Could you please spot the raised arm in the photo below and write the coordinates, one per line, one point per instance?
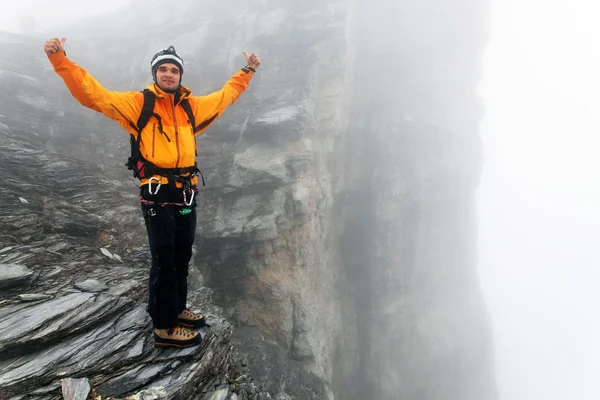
(123, 107)
(210, 107)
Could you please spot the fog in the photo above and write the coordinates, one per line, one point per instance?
(35, 15)
(540, 196)
(539, 222)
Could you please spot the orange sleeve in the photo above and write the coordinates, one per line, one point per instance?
(123, 107)
(210, 107)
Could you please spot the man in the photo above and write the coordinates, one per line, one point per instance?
(163, 158)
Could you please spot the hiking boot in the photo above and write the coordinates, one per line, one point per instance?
(191, 320)
(176, 337)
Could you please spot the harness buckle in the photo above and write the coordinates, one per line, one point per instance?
(150, 185)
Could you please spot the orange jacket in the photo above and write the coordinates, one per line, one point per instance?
(176, 148)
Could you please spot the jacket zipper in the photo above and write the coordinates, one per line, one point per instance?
(153, 138)
(176, 134)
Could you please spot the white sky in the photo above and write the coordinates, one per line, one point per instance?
(540, 195)
(540, 198)
(49, 14)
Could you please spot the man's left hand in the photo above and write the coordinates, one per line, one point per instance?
(252, 59)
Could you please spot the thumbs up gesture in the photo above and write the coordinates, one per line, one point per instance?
(54, 45)
(252, 59)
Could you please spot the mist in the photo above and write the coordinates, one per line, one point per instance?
(539, 197)
(539, 194)
(35, 16)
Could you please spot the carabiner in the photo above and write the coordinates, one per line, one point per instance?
(150, 185)
(191, 198)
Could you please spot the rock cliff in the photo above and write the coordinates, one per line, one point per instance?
(336, 244)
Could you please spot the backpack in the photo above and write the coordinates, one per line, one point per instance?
(143, 168)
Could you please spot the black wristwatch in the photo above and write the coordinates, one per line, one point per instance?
(250, 68)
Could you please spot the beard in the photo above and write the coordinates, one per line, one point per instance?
(168, 90)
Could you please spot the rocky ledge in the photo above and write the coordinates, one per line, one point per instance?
(73, 322)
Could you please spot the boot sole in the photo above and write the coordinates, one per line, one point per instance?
(179, 346)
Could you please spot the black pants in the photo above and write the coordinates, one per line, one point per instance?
(171, 230)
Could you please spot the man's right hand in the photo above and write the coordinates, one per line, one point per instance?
(54, 45)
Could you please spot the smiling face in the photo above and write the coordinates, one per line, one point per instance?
(168, 77)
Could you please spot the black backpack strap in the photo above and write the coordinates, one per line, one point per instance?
(205, 123)
(147, 110)
(196, 169)
(191, 120)
(188, 110)
(145, 114)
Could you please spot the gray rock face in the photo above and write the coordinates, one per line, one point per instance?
(91, 285)
(75, 389)
(34, 297)
(337, 228)
(300, 382)
(14, 275)
(69, 313)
